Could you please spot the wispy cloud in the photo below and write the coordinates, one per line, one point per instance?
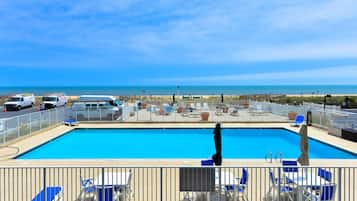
(328, 75)
(181, 32)
(313, 15)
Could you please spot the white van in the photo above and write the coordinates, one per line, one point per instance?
(19, 101)
(53, 100)
(97, 107)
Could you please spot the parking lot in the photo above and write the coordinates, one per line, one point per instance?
(10, 114)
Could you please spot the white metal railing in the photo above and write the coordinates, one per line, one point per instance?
(254, 111)
(205, 183)
(330, 116)
(18, 126)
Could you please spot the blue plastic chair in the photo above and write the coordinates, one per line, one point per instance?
(327, 193)
(208, 162)
(108, 194)
(299, 120)
(284, 189)
(70, 122)
(87, 186)
(289, 166)
(51, 193)
(243, 184)
(325, 174)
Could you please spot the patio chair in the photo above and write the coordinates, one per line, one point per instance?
(205, 106)
(241, 188)
(219, 112)
(325, 174)
(235, 112)
(125, 191)
(198, 106)
(53, 193)
(327, 193)
(70, 122)
(284, 189)
(243, 184)
(87, 187)
(192, 106)
(290, 166)
(299, 120)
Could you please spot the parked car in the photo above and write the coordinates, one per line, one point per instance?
(19, 102)
(53, 100)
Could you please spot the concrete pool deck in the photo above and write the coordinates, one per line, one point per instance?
(29, 142)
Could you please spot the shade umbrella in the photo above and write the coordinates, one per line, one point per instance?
(222, 98)
(304, 147)
(173, 98)
(217, 157)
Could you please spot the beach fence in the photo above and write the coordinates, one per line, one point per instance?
(321, 116)
(181, 112)
(23, 125)
(202, 183)
(198, 111)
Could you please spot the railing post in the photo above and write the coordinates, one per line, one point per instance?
(100, 114)
(56, 115)
(220, 182)
(40, 120)
(279, 184)
(18, 126)
(161, 184)
(30, 123)
(151, 109)
(5, 131)
(49, 117)
(103, 187)
(44, 184)
(339, 184)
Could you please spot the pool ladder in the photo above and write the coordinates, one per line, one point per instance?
(269, 157)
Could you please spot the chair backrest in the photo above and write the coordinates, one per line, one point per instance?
(327, 175)
(244, 179)
(327, 192)
(271, 176)
(289, 166)
(209, 162)
(299, 119)
(83, 181)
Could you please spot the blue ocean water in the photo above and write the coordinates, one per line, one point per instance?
(198, 90)
(178, 143)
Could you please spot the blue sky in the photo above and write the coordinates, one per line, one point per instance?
(173, 42)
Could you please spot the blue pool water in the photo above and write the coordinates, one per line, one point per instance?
(237, 143)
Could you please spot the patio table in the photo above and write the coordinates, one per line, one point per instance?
(305, 179)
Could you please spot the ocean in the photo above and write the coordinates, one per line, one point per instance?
(185, 90)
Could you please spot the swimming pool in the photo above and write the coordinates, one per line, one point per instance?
(237, 143)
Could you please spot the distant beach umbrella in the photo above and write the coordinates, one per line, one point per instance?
(222, 98)
(217, 157)
(304, 146)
